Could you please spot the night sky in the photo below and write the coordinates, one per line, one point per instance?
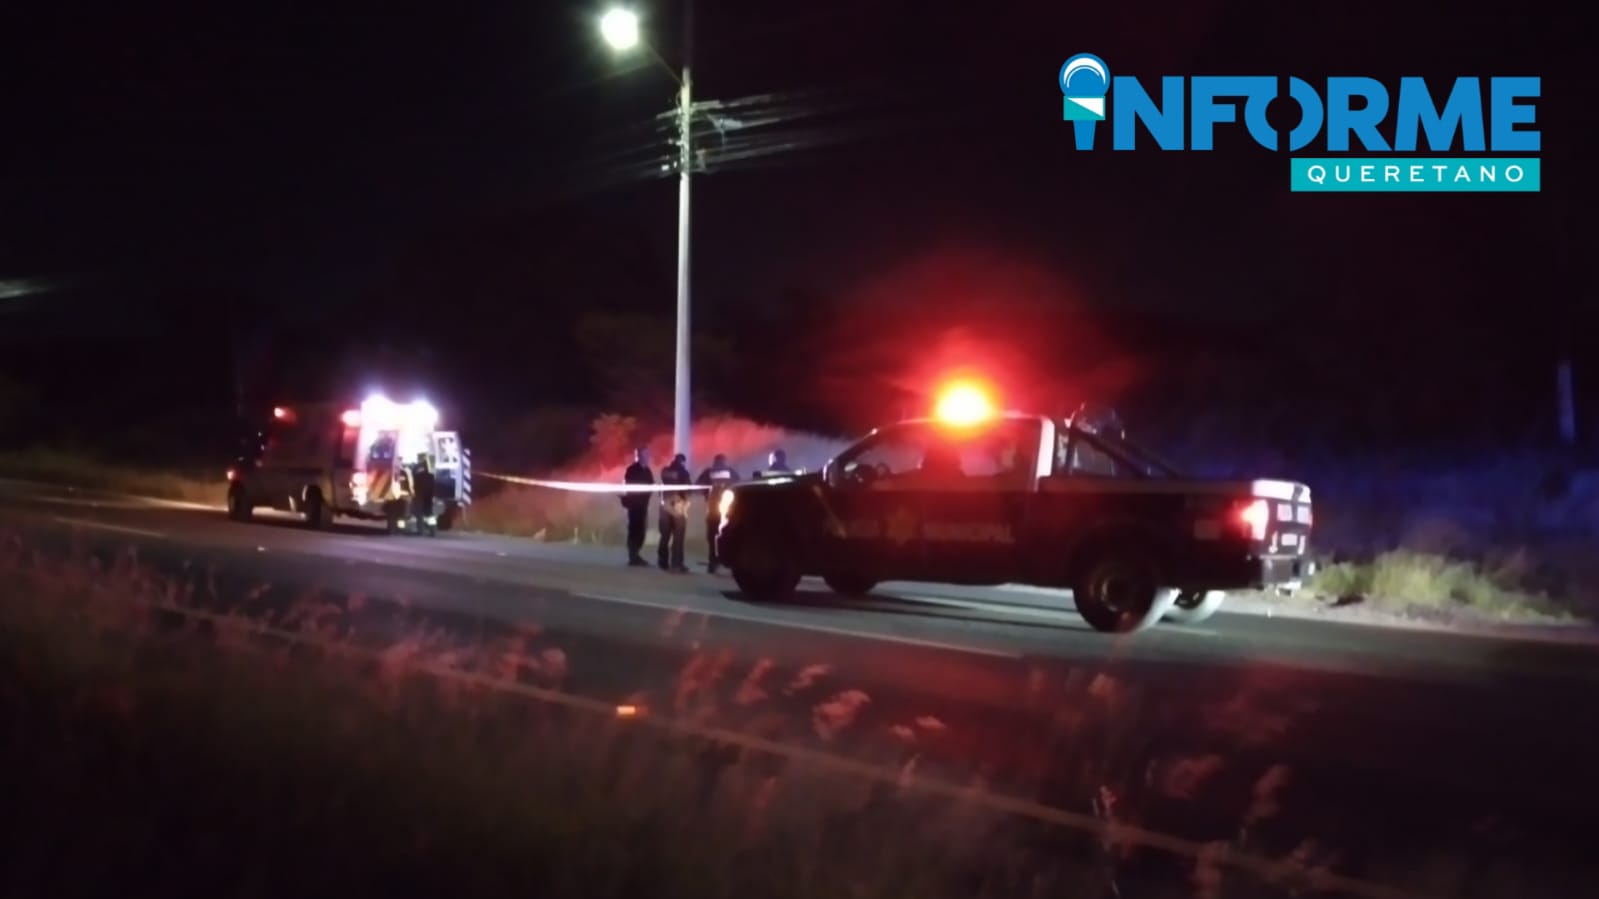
(301, 195)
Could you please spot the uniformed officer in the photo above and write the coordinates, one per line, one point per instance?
(718, 477)
(637, 505)
(674, 514)
(777, 463)
(423, 486)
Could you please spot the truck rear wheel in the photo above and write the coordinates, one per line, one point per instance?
(855, 585)
(1120, 593)
(1194, 606)
(764, 572)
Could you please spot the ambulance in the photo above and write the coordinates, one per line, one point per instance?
(324, 461)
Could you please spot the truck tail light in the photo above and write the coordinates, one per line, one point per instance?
(1255, 516)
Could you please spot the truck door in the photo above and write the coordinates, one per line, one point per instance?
(974, 513)
(874, 508)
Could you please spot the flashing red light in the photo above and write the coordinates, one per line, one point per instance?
(279, 412)
(351, 418)
(232, 475)
(1256, 515)
(964, 404)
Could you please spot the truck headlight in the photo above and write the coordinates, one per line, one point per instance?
(725, 504)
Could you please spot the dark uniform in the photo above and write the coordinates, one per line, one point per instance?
(637, 506)
(423, 491)
(674, 514)
(777, 463)
(718, 477)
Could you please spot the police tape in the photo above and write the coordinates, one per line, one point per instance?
(600, 487)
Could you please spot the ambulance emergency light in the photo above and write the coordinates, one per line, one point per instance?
(378, 412)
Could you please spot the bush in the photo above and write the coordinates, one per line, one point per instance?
(1407, 581)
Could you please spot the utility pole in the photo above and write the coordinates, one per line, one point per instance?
(682, 417)
(620, 28)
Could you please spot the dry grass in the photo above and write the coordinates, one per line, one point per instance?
(561, 516)
(170, 758)
(1409, 582)
(86, 472)
(213, 763)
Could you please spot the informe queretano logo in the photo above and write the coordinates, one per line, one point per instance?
(1491, 119)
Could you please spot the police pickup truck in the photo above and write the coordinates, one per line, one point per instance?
(1018, 499)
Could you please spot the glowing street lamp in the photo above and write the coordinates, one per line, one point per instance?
(620, 29)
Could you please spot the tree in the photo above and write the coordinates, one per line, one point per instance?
(634, 358)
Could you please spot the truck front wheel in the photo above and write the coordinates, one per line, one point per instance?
(1194, 606)
(1120, 593)
(764, 572)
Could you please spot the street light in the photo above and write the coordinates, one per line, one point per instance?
(620, 28)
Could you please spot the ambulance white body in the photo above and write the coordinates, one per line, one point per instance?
(324, 461)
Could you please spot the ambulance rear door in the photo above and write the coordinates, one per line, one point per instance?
(450, 470)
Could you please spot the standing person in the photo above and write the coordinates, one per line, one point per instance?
(718, 477)
(777, 463)
(423, 487)
(637, 505)
(674, 514)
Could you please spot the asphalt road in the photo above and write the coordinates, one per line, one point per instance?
(1406, 734)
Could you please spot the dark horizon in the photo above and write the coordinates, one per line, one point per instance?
(285, 194)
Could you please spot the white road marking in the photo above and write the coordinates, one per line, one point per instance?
(89, 503)
(803, 626)
(972, 605)
(1054, 616)
(1036, 591)
(181, 504)
(103, 526)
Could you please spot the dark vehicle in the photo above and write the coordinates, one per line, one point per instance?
(1019, 499)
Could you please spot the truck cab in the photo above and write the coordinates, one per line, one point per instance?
(329, 460)
(1019, 498)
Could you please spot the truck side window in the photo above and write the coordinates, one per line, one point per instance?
(1082, 459)
(889, 455)
(1001, 458)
